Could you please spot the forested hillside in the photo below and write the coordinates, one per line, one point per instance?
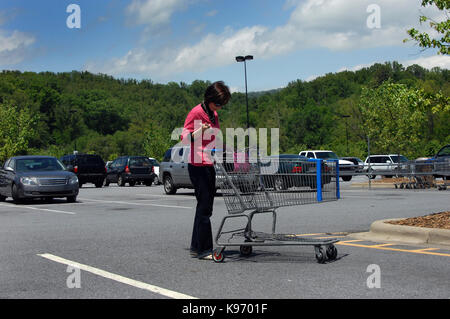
(401, 109)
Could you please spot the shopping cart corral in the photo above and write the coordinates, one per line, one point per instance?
(249, 189)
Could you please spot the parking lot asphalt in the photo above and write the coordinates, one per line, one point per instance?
(132, 242)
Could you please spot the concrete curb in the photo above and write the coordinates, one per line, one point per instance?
(382, 231)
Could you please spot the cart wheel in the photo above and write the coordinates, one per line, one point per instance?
(320, 255)
(218, 255)
(246, 250)
(331, 252)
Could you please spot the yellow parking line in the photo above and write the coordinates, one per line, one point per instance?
(350, 241)
(424, 249)
(328, 237)
(381, 247)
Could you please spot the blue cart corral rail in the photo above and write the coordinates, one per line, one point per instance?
(262, 186)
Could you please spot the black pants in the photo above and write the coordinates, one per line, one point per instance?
(204, 180)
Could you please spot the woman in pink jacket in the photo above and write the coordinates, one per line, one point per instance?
(201, 118)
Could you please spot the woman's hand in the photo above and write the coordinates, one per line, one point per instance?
(205, 126)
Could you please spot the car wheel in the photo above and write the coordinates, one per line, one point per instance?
(71, 199)
(2, 198)
(132, 183)
(15, 194)
(346, 178)
(156, 180)
(169, 187)
(120, 181)
(105, 182)
(99, 184)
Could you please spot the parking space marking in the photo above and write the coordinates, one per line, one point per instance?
(131, 282)
(136, 204)
(170, 196)
(354, 243)
(424, 251)
(41, 209)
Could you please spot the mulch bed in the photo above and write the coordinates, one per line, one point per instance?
(437, 220)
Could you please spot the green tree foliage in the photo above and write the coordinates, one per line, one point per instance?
(394, 117)
(113, 117)
(16, 129)
(442, 28)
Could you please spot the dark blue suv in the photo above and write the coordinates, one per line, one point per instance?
(441, 162)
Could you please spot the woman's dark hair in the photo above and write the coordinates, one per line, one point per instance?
(217, 93)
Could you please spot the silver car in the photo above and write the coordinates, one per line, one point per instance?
(173, 172)
(37, 177)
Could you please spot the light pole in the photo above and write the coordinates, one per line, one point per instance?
(243, 59)
(346, 129)
(75, 151)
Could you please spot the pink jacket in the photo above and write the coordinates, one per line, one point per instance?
(194, 120)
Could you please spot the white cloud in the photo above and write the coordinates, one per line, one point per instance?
(442, 61)
(356, 67)
(14, 47)
(212, 13)
(153, 12)
(331, 24)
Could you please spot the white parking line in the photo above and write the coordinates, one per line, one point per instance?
(170, 196)
(41, 209)
(136, 204)
(118, 278)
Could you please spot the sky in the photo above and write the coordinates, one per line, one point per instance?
(186, 40)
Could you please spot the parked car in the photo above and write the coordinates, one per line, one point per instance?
(291, 171)
(441, 162)
(357, 162)
(155, 164)
(174, 172)
(89, 168)
(386, 165)
(130, 169)
(37, 177)
(346, 168)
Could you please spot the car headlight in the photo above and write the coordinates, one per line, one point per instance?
(73, 180)
(29, 180)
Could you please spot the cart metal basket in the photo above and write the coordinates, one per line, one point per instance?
(266, 185)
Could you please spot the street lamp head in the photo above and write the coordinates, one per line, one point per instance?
(243, 58)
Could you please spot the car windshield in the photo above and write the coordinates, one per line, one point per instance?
(445, 151)
(140, 162)
(38, 164)
(326, 155)
(154, 162)
(401, 157)
(90, 160)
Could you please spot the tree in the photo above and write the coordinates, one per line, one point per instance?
(442, 28)
(156, 141)
(17, 127)
(394, 117)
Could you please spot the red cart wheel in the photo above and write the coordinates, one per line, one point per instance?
(218, 256)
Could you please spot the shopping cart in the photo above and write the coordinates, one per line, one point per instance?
(416, 174)
(264, 186)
